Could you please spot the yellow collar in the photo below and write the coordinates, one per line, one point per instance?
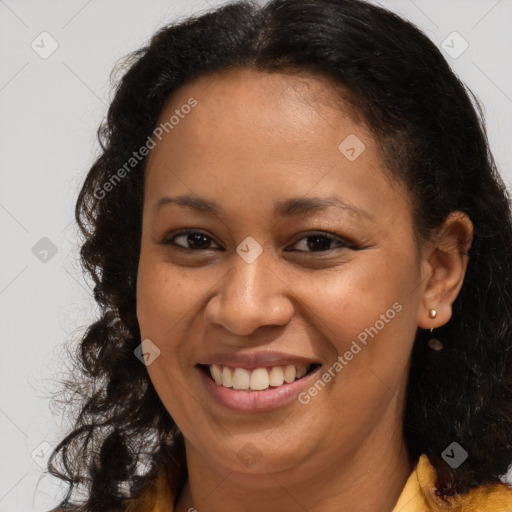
(418, 495)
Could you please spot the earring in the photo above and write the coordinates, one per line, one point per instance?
(432, 314)
(434, 343)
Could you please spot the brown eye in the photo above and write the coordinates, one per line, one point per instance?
(321, 242)
(193, 240)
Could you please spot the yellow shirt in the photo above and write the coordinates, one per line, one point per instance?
(417, 495)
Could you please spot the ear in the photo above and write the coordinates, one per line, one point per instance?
(444, 264)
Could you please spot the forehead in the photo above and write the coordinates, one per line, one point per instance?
(265, 135)
(279, 102)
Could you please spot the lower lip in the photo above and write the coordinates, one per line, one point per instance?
(256, 401)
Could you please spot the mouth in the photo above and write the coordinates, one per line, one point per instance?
(256, 379)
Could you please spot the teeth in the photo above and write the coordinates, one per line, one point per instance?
(241, 378)
(216, 373)
(276, 377)
(301, 371)
(227, 376)
(258, 379)
(290, 373)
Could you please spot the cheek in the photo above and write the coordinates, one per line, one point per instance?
(164, 297)
(367, 317)
(165, 301)
(371, 302)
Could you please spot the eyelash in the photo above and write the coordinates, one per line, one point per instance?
(342, 244)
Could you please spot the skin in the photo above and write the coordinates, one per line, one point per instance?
(255, 139)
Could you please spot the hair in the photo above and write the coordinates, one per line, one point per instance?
(432, 135)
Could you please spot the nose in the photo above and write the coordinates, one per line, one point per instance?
(250, 295)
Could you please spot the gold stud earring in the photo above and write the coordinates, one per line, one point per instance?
(432, 314)
(434, 343)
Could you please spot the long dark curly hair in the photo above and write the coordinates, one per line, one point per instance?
(432, 134)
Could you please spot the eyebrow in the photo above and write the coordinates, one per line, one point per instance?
(288, 208)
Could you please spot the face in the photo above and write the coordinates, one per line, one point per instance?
(294, 252)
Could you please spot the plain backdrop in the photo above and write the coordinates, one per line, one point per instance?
(56, 58)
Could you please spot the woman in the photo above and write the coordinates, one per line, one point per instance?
(302, 253)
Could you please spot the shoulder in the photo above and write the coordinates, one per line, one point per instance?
(490, 497)
(156, 493)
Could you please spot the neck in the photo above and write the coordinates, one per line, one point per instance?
(369, 479)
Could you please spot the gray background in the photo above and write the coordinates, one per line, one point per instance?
(50, 110)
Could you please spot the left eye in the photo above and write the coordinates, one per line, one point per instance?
(196, 239)
(321, 242)
(315, 242)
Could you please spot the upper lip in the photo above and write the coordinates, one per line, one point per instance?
(257, 359)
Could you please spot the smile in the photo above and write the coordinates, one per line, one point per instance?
(257, 379)
(251, 390)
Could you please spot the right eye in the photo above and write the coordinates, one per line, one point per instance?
(196, 240)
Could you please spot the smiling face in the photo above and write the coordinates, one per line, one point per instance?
(300, 256)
